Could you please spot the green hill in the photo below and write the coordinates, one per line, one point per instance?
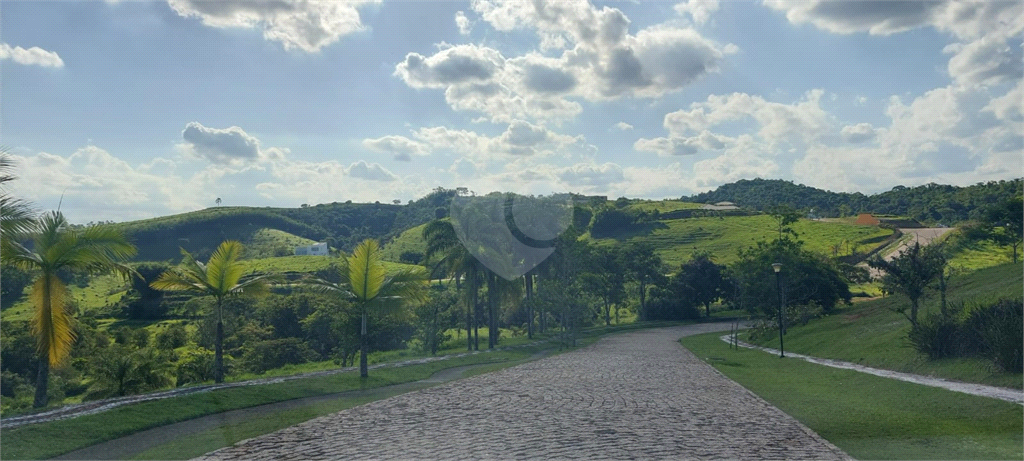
(929, 203)
(409, 242)
(871, 333)
(676, 239)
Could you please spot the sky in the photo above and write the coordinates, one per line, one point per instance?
(124, 110)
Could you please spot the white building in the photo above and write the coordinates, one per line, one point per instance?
(316, 249)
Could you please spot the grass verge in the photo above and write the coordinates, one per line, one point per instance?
(871, 417)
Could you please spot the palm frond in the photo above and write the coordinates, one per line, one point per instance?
(223, 269)
(51, 323)
(366, 272)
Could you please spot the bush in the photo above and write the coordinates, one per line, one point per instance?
(195, 365)
(663, 306)
(276, 353)
(937, 337)
(1001, 330)
(172, 337)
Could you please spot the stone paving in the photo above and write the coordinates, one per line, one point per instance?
(634, 395)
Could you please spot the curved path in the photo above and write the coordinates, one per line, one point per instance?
(631, 395)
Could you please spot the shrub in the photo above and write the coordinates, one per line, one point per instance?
(172, 337)
(276, 353)
(1000, 327)
(195, 365)
(937, 337)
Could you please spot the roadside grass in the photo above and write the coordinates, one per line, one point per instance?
(870, 333)
(871, 417)
(45, 440)
(675, 240)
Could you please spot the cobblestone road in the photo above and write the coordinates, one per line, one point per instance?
(633, 395)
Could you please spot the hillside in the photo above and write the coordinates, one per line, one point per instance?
(871, 333)
(930, 203)
(676, 239)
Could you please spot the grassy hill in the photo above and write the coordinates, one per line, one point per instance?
(870, 333)
(676, 239)
(409, 241)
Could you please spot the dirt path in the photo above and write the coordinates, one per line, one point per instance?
(131, 445)
(924, 236)
(1001, 393)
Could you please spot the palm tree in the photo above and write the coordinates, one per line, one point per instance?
(221, 277)
(457, 262)
(15, 214)
(57, 247)
(364, 281)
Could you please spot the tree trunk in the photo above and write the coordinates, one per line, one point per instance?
(607, 313)
(218, 354)
(913, 312)
(363, 370)
(42, 380)
(469, 324)
(707, 309)
(529, 305)
(492, 322)
(643, 297)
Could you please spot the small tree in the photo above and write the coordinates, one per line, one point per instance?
(1009, 216)
(909, 274)
(702, 280)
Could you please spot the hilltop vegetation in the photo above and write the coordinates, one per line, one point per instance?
(930, 203)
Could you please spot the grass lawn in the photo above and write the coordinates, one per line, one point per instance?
(410, 240)
(870, 333)
(676, 239)
(871, 417)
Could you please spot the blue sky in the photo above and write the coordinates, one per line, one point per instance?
(140, 109)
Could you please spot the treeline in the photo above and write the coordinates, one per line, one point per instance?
(930, 203)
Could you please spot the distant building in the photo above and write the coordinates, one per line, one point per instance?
(316, 249)
(720, 206)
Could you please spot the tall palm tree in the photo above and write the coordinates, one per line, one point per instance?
(16, 217)
(57, 247)
(365, 282)
(455, 261)
(221, 277)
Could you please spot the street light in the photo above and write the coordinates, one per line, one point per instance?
(777, 267)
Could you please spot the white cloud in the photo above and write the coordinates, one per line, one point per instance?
(667, 147)
(699, 10)
(521, 138)
(225, 146)
(623, 126)
(858, 133)
(296, 24)
(401, 147)
(34, 56)
(370, 171)
(986, 61)
(592, 177)
(600, 60)
(463, 23)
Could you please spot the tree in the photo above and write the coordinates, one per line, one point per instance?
(455, 261)
(701, 280)
(15, 214)
(57, 248)
(366, 284)
(642, 266)
(217, 201)
(221, 277)
(606, 278)
(910, 273)
(1010, 216)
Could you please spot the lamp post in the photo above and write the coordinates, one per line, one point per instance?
(777, 267)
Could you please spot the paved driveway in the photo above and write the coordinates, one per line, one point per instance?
(632, 395)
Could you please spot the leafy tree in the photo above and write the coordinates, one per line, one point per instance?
(454, 260)
(221, 277)
(642, 266)
(433, 319)
(910, 273)
(701, 281)
(605, 276)
(56, 247)
(366, 284)
(1009, 215)
(806, 277)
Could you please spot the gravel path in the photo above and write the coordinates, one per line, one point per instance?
(1001, 393)
(632, 395)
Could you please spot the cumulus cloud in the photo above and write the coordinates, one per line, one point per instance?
(401, 147)
(673, 146)
(858, 133)
(623, 126)
(699, 10)
(34, 56)
(463, 23)
(296, 24)
(224, 146)
(592, 176)
(370, 171)
(599, 60)
(521, 138)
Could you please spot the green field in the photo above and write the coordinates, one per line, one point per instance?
(871, 417)
(870, 333)
(664, 206)
(411, 240)
(676, 239)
